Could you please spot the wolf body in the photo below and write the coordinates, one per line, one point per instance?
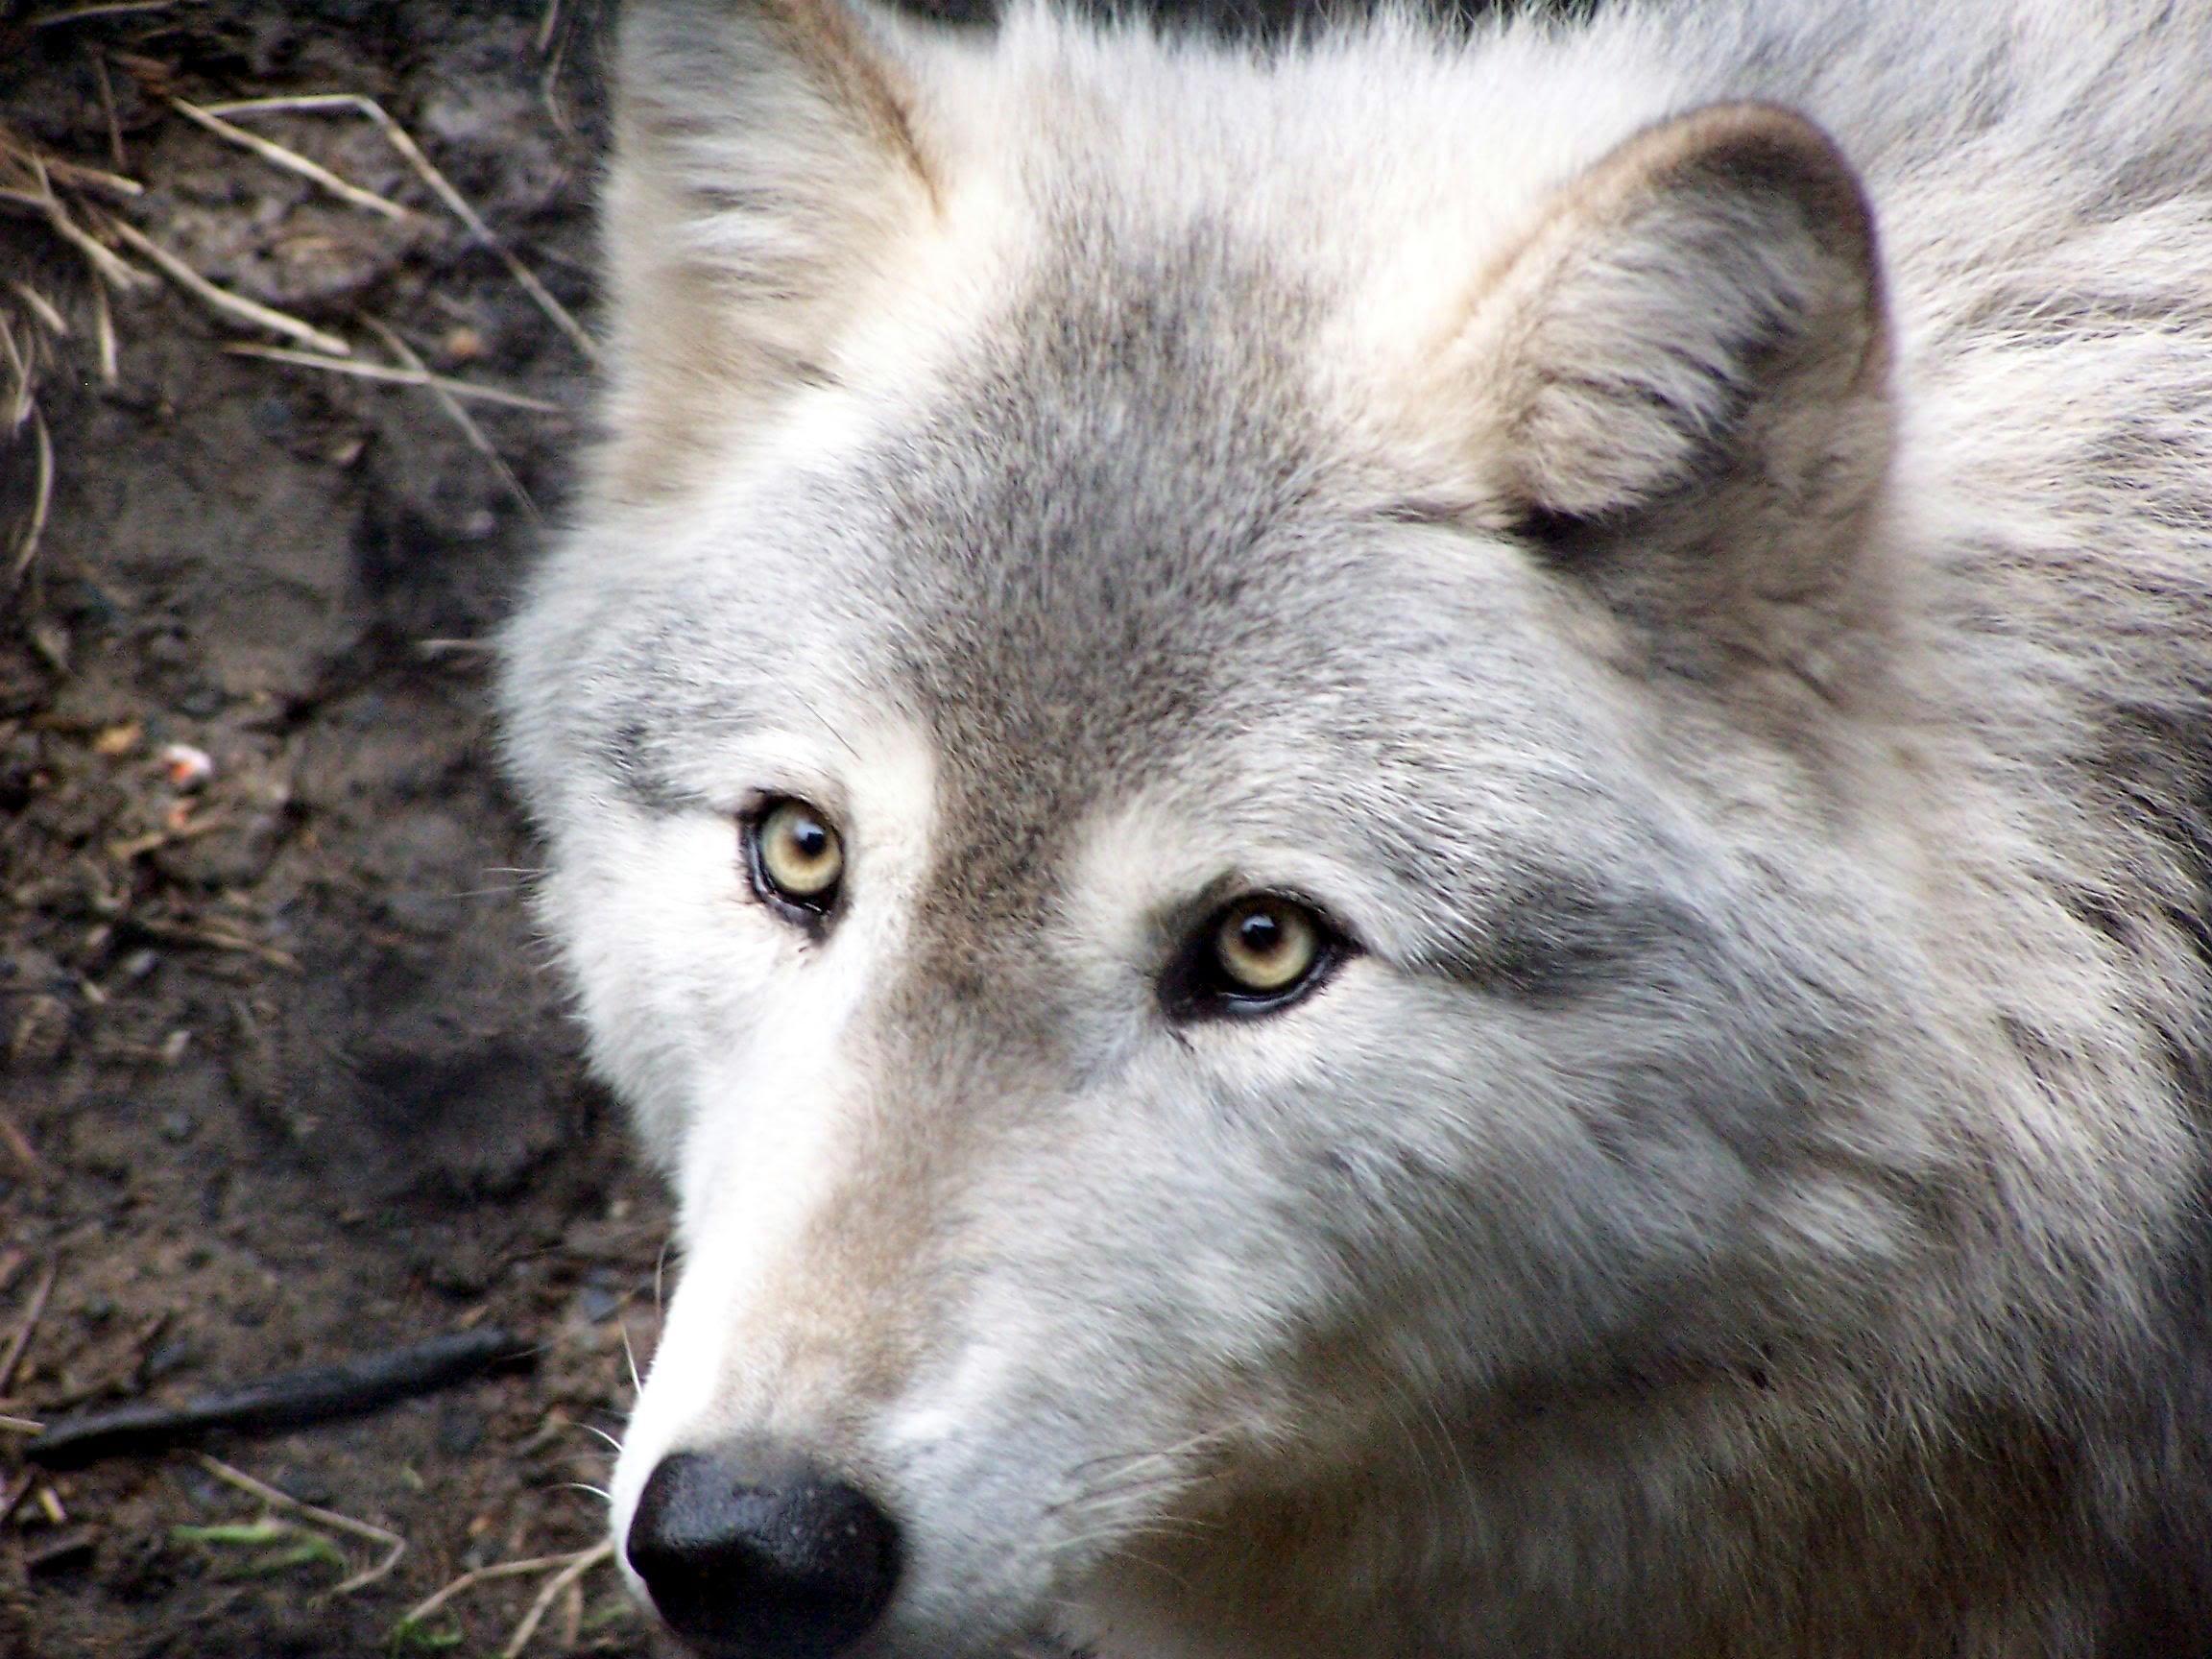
(1682, 544)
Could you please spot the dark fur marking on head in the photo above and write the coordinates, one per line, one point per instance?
(1559, 938)
(1429, 510)
(626, 755)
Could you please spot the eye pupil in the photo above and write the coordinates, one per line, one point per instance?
(1260, 933)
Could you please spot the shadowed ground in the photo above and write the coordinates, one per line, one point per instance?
(282, 1077)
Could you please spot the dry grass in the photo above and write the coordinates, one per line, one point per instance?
(217, 298)
(284, 1502)
(98, 9)
(440, 187)
(83, 209)
(460, 417)
(291, 161)
(33, 323)
(468, 391)
(565, 1578)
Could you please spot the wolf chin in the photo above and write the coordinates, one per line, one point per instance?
(1401, 838)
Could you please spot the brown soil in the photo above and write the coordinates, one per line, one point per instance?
(284, 1075)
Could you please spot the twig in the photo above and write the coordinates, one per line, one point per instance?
(291, 161)
(293, 1399)
(115, 1374)
(572, 1615)
(221, 299)
(440, 650)
(396, 1545)
(40, 307)
(459, 415)
(21, 402)
(115, 151)
(579, 1564)
(60, 1550)
(475, 1576)
(84, 178)
(31, 1317)
(185, 933)
(554, 50)
(412, 153)
(566, 1569)
(120, 273)
(43, 498)
(102, 9)
(21, 1425)
(25, 1154)
(396, 376)
(11, 1500)
(104, 334)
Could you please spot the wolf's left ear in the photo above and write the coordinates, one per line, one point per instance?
(1702, 306)
(766, 169)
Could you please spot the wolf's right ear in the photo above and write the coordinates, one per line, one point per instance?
(765, 169)
(1702, 303)
(1676, 384)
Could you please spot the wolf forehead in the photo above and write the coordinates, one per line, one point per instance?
(1116, 539)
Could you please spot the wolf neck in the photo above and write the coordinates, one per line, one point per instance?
(1564, 1536)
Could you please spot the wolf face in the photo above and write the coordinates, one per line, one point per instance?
(1242, 768)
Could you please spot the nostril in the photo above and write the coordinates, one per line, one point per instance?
(752, 1553)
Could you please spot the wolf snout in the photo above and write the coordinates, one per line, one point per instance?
(750, 1552)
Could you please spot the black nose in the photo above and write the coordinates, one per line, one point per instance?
(752, 1553)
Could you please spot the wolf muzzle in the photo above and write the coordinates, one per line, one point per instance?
(750, 1551)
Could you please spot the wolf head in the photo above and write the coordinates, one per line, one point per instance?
(1197, 750)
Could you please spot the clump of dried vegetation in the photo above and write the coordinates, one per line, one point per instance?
(58, 298)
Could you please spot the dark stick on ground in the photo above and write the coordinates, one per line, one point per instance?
(290, 1401)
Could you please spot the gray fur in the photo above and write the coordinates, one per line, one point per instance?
(1748, 689)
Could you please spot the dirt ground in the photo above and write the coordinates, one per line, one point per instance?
(284, 1078)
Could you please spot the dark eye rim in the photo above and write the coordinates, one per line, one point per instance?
(1194, 987)
(809, 911)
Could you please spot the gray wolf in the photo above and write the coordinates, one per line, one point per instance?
(1402, 839)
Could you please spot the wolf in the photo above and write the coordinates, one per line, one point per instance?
(1401, 836)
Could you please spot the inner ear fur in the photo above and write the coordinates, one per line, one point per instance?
(766, 168)
(1681, 375)
(1705, 300)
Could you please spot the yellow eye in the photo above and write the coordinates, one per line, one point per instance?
(796, 857)
(1267, 945)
